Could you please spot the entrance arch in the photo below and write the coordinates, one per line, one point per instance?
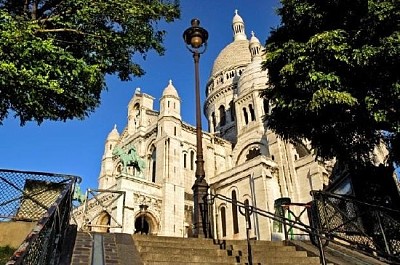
(141, 225)
(103, 223)
(146, 223)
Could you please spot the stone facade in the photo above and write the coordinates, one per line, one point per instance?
(238, 147)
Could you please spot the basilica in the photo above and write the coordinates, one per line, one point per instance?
(243, 159)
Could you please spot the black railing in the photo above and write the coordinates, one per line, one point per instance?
(39, 197)
(364, 226)
(287, 217)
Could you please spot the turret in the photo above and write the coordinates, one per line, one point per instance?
(107, 167)
(238, 27)
(170, 102)
(137, 117)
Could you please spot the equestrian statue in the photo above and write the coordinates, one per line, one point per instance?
(129, 158)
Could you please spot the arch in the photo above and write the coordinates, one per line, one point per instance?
(246, 116)
(152, 169)
(192, 160)
(252, 114)
(150, 220)
(253, 152)
(266, 106)
(213, 121)
(235, 219)
(222, 211)
(136, 111)
(232, 110)
(253, 143)
(103, 222)
(222, 117)
(301, 150)
(184, 160)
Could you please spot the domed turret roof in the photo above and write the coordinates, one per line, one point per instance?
(170, 90)
(237, 18)
(114, 134)
(253, 77)
(254, 39)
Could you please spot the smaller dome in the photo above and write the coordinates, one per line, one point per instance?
(170, 90)
(253, 38)
(114, 134)
(255, 47)
(237, 18)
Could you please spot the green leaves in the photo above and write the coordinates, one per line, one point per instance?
(54, 54)
(334, 75)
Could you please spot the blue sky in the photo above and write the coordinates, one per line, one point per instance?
(76, 147)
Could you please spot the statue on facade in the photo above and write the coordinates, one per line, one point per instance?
(79, 196)
(129, 158)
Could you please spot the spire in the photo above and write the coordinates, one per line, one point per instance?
(170, 90)
(113, 135)
(238, 27)
(255, 47)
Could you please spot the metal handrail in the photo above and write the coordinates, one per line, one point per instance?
(366, 226)
(297, 223)
(33, 195)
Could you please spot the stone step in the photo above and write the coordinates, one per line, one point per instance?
(183, 245)
(258, 247)
(252, 242)
(189, 259)
(174, 250)
(185, 263)
(170, 239)
(177, 251)
(284, 260)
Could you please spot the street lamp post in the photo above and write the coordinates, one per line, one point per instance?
(196, 41)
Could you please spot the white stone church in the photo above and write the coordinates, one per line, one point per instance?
(238, 147)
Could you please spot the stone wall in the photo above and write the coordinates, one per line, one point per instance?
(14, 233)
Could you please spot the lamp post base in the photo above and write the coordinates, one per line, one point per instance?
(201, 222)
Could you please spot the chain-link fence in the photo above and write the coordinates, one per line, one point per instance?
(368, 227)
(42, 197)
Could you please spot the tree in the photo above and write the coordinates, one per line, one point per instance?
(334, 76)
(54, 54)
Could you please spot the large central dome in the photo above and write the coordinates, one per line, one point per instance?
(235, 54)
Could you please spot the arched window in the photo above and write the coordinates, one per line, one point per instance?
(213, 121)
(232, 109)
(266, 106)
(152, 164)
(191, 160)
(253, 152)
(184, 160)
(246, 116)
(235, 213)
(223, 221)
(252, 114)
(222, 115)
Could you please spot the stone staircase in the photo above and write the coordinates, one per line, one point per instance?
(124, 249)
(178, 251)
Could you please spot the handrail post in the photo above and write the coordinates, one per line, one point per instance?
(284, 224)
(248, 227)
(383, 233)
